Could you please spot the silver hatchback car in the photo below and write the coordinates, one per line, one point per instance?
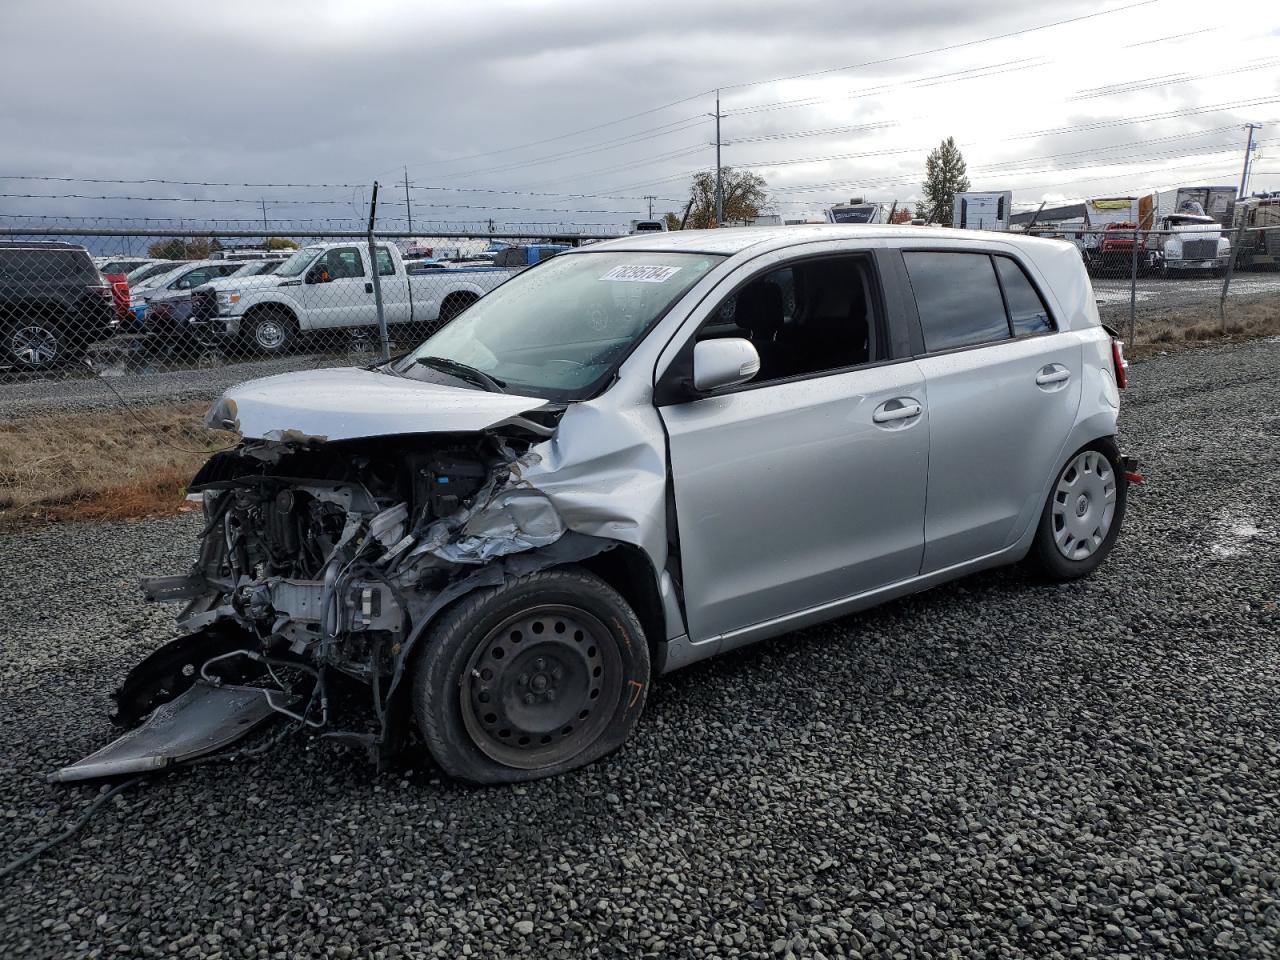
(626, 459)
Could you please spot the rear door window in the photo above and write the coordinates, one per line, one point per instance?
(1027, 312)
(386, 266)
(958, 298)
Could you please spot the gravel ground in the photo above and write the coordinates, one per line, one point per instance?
(995, 768)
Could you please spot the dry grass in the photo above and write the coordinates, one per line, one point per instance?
(105, 465)
(1250, 320)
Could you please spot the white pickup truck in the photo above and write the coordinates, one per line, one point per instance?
(329, 286)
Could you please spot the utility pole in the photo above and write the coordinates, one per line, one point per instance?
(265, 228)
(650, 198)
(719, 181)
(1248, 156)
(408, 209)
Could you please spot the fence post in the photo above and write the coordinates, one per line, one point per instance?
(1133, 291)
(377, 280)
(1226, 280)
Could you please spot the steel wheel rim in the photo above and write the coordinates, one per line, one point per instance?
(269, 334)
(1084, 505)
(34, 345)
(541, 686)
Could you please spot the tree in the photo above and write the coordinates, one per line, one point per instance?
(178, 249)
(280, 243)
(744, 196)
(673, 220)
(944, 177)
(901, 215)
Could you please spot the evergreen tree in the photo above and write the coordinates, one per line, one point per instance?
(944, 177)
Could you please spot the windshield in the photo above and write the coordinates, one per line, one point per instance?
(298, 263)
(558, 330)
(256, 267)
(162, 279)
(149, 270)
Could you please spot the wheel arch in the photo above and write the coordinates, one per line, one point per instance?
(627, 569)
(271, 306)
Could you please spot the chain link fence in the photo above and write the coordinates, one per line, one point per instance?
(115, 340)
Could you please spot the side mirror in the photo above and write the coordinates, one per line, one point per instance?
(318, 274)
(724, 362)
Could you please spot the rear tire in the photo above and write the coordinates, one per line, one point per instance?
(454, 304)
(271, 332)
(36, 343)
(544, 674)
(1083, 513)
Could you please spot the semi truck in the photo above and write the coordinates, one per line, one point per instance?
(1259, 216)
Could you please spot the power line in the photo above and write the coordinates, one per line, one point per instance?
(750, 83)
(942, 49)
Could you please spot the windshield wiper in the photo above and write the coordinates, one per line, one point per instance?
(463, 371)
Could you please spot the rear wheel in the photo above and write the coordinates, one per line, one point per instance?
(271, 332)
(35, 344)
(454, 304)
(540, 676)
(1082, 516)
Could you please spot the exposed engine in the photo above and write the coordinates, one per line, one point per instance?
(327, 557)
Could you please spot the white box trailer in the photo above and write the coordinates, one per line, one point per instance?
(982, 211)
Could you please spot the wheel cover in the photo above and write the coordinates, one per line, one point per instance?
(34, 345)
(1084, 505)
(541, 686)
(270, 333)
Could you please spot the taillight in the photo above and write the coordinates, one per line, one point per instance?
(1121, 364)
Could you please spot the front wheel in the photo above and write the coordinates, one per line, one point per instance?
(1082, 516)
(537, 677)
(271, 332)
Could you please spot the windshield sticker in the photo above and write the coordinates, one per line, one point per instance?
(640, 273)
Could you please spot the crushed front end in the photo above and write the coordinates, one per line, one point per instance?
(320, 565)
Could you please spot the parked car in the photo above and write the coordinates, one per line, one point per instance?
(171, 315)
(329, 286)
(53, 303)
(627, 459)
(123, 265)
(120, 298)
(139, 275)
(186, 276)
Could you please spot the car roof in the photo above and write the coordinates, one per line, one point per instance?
(732, 240)
(40, 245)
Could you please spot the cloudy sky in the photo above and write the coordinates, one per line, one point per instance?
(572, 111)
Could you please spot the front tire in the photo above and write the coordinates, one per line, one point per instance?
(271, 332)
(544, 674)
(1083, 513)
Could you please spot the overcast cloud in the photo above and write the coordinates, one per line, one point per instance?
(319, 92)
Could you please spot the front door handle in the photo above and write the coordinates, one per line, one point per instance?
(368, 287)
(1051, 374)
(900, 408)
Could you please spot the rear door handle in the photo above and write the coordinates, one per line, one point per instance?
(1053, 373)
(900, 408)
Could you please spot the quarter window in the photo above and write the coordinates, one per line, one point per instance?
(1027, 312)
(958, 299)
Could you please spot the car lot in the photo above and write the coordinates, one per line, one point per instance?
(994, 767)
